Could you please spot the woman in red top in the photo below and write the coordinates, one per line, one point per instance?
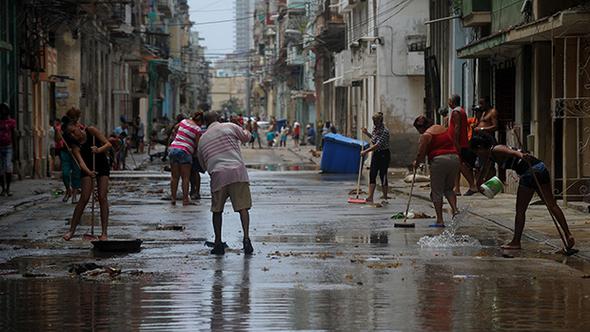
(437, 144)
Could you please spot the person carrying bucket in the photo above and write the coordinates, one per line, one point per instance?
(534, 177)
(437, 144)
(381, 156)
(89, 148)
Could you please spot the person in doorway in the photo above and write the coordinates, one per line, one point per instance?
(436, 143)
(530, 171)
(140, 135)
(7, 146)
(284, 135)
(310, 134)
(488, 120)
(219, 153)
(89, 148)
(458, 129)
(381, 156)
(256, 133)
(296, 133)
(182, 149)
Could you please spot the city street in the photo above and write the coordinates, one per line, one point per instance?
(319, 264)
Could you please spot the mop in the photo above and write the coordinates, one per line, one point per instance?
(356, 199)
(566, 251)
(404, 223)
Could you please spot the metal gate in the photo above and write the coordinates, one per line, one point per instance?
(571, 118)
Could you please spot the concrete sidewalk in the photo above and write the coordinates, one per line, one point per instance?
(501, 211)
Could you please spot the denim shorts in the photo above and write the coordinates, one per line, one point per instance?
(179, 156)
(5, 159)
(527, 180)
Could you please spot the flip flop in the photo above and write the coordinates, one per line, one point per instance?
(437, 225)
(469, 193)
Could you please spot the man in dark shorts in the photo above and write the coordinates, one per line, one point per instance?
(381, 156)
(458, 128)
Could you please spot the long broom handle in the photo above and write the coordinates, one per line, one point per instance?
(542, 194)
(410, 198)
(91, 179)
(358, 181)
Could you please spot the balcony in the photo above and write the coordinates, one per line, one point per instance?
(165, 7)
(345, 6)
(476, 12)
(296, 7)
(330, 30)
(295, 56)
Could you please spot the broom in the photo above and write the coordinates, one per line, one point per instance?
(404, 223)
(356, 199)
(91, 236)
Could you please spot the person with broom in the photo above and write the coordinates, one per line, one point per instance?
(533, 177)
(89, 148)
(436, 143)
(381, 156)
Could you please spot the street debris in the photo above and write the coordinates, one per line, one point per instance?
(179, 228)
(419, 178)
(34, 275)
(411, 215)
(384, 265)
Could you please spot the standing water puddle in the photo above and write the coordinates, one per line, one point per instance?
(448, 238)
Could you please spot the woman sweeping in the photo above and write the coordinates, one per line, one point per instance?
(436, 143)
(182, 150)
(89, 147)
(530, 170)
(381, 156)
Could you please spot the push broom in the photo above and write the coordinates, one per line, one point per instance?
(404, 223)
(356, 199)
(566, 251)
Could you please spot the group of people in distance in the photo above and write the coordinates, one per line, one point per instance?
(468, 147)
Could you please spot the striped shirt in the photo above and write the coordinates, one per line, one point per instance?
(380, 137)
(219, 153)
(186, 136)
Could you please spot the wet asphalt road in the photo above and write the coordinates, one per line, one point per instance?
(319, 264)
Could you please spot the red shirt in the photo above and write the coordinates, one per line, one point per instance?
(441, 144)
(463, 137)
(6, 128)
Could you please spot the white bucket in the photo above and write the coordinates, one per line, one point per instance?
(492, 187)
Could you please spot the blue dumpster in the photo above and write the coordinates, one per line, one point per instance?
(341, 154)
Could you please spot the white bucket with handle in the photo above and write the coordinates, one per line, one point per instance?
(492, 187)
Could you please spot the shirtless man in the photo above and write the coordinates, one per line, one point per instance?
(488, 122)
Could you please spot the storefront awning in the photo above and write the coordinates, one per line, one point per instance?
(569, 22)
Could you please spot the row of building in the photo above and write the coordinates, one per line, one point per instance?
(114, 60)
(343, 60)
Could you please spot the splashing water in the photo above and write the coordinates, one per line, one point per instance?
(448, 238)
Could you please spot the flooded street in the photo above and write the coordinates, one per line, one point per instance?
(319, 264)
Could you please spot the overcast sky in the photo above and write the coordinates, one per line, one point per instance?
(219, 37)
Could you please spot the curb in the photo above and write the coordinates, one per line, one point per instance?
(530, 234)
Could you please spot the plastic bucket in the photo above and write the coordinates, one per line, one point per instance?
(492, 187)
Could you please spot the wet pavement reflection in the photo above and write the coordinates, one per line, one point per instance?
(319, 264)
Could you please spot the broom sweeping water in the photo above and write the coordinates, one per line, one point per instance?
(356, 199)
(404, 223)
(566, 250)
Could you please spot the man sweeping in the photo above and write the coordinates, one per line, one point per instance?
(219, 153)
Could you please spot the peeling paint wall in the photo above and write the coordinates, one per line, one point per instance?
(400, 74)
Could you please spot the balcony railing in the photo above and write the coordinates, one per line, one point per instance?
(476, 12)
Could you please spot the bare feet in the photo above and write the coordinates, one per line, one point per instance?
(103, 237)
(369, 200)
(67, 236)
(185, 202)
(513, 245)
(384, 197)
(173, 202)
